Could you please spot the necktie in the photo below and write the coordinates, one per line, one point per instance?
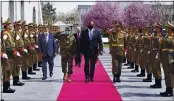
(90, 35)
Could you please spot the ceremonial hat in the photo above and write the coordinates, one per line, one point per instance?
(169, 25)
(157, 24)
(134, 27)
(6, 22)
(30, 24)
(24, 23)
(148, 26)
(18, 22)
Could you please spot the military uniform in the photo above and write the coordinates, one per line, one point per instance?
(33, 56)
(116, 43)
(18, 59)
(67, 52)
(165, 55)
(154, 58)
(5, 60)
(147, 54)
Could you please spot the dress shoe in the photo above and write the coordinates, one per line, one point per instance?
(168, 92)
(92, 80)
(44, 78)
(51, 74)
(8, 90)
(87, 80)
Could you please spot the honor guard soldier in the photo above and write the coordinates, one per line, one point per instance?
(67, 52)
(127, 38)
(165, 55)
(116, 46)
(154, 58)
(6, 42)
(136, 51)
(36, 35)
(19, 45)
(26, 49)
(33, 58)
(40, 31)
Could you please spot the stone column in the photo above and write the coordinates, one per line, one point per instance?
(11, 10)
(22, 10)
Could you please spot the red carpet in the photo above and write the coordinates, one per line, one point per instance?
(101, 89)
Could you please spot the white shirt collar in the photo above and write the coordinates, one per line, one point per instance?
(91, 30)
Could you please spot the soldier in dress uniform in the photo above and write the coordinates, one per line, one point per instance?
(116, 46)
(36, 35)
(18, 59)
(40, 31)
(67, 52)
(5, 60)
(154, 58)
(136, 50)
(32, 49)
(147, 50)
(127, 44)
(26, 55)
(165, 55)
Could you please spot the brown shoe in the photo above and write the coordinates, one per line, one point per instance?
(65, 76)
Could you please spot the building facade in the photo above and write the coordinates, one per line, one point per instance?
(82, 10)
(30, 11)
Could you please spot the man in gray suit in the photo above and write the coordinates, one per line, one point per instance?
(47, 46)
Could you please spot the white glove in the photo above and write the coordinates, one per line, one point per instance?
(31, 35)
(37, 36)
(36, 46)
(25, 35)
(25, 50)
(4, 56)
(135, 49)
(18, 54)
(172, 61)
(5, 37)
(156, 56)
(141, 50)
(56, 40)
(148, 52)
(17, 37)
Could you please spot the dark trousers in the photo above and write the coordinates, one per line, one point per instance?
(50, 61)
(90, 61)
(78, 59)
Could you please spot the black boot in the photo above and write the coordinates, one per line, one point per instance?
(24, 75)
(118, 78)
(149, 78)
(131, 65)
(35, 67)
(168, 92)
(16, 81)
(136, 69)
(40, 64)
(30, 71)
(128, 63)
(142, 74)
(157, 84)
(114, 78)
(6, 87)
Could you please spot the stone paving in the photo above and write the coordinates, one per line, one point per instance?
(131, 87)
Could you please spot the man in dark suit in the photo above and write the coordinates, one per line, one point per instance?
(78, 54)
(90, 45)
(47, 46)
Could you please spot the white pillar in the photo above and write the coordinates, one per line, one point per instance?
(11, 11)
(22, 10)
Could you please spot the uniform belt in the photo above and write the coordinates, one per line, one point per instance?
(155, 49)
(117, 45)
(166, 49)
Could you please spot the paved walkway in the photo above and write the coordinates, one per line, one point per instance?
(131, 87)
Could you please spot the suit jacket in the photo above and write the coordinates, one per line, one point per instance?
(94, 45)
(47, 48)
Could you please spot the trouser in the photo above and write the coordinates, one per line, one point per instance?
(5, 69)
(155, 64)
(50, 60)
(90, 61)
(147, 62)
(78, 59)
(117, 61)
(16, 66)
(25, 62)
(67, 61)
(166, 67)
(141, 59)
